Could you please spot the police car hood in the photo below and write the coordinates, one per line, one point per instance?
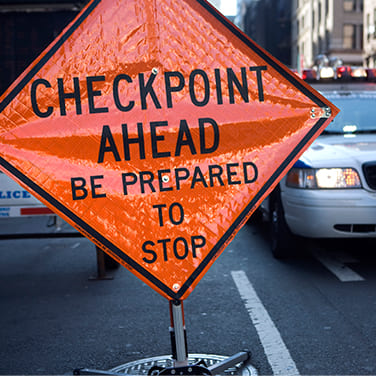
(341, 150)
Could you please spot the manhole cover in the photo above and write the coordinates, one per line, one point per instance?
(141, 367)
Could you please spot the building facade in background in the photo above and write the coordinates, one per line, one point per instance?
(370, 33)
(294, 31)
(330, 27)
(268, 23)
(297, 31)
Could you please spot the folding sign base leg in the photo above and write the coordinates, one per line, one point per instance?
(230, 362)
(238, 364)
(200, 368)
(94, 372)
(101, 267)
(180, 366)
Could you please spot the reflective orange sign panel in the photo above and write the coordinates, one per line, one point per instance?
(156, 128)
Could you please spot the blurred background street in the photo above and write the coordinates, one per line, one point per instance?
(54, 319)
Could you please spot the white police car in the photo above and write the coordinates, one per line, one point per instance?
(17, 202)
(331, 191)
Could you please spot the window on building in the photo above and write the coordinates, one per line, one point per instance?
(314, 49)
(319, 10)
(349, 36)
(349, 5)
(327, 40)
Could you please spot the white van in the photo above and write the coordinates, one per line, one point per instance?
(17, 202)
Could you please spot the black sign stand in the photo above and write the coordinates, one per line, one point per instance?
(181, 366)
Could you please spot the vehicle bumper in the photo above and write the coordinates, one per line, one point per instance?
(330, 213)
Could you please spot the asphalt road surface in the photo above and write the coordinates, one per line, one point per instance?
(311, 315)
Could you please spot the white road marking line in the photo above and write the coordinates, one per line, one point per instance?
(75, 245)
(337, 267)
(275, 349)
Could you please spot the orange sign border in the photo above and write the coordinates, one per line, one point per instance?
(88, 230)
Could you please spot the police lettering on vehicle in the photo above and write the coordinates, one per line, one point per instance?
(17, 194)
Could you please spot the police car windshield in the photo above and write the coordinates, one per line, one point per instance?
(357, 115)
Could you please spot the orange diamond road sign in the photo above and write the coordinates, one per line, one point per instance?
(156, 128)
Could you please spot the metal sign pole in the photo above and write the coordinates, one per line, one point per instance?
(178, 334)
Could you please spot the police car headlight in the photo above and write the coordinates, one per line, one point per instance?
(335, 178)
